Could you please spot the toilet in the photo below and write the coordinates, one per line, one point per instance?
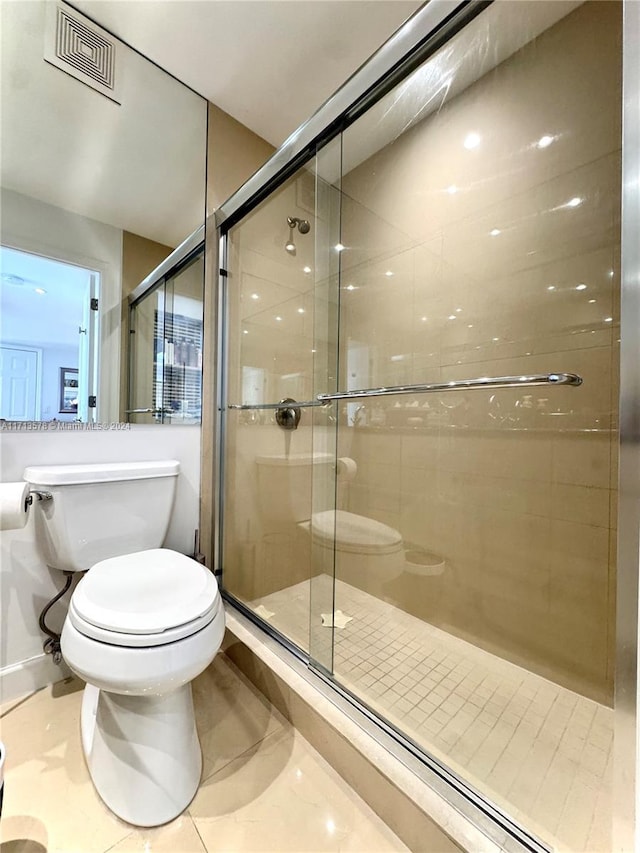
(367, 552)
(143, 622)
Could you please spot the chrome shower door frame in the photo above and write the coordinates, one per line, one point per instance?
(626, 742)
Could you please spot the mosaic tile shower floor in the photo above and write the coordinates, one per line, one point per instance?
(538, 750)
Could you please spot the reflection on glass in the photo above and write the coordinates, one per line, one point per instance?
(47, 326)
(68, 390)
(144, 365)
(166, 353)
(111, 191)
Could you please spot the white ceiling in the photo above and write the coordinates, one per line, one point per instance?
(268, 63)
(140, 166)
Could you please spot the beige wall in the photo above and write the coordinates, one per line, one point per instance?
(139, 257)
(234, 154)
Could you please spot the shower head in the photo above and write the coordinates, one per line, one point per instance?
(303, 224)
(303, 227)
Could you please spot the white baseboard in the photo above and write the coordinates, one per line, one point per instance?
(20, 679)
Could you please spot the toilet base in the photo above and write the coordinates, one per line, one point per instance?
(142, 752)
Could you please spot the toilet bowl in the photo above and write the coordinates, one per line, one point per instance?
(140, 627)
(367, 552)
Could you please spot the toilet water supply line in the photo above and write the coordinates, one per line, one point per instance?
(52, 645)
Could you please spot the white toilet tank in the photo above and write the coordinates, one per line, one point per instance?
(284, 485)
(101, 510)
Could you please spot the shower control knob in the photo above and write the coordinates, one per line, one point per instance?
(288, 417)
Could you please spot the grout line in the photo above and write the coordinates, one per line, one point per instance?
(195, 826)
(245, 751)
(120, 840)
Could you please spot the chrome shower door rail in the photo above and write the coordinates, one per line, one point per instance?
(261, 406)
(487, 382)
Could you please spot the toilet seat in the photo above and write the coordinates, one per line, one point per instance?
(137, 640)
(148, 598)
(353, 533)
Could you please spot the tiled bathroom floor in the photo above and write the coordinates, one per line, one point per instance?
(540, 751)
(265, 788)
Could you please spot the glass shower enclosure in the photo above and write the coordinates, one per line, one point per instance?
(419, 414)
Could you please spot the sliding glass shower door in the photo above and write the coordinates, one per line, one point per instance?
(421, 423)
(480, 220)
(282, 301)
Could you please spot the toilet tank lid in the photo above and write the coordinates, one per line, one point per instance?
(278, 459)
(101, 472)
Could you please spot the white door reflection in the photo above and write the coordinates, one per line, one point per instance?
(20, 378)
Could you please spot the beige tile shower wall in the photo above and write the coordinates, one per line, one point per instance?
(265, 548)
(525, 540)
(519, 501)
(274, 298)
(260, 555)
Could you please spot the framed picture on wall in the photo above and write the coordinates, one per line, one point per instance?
(68, 390)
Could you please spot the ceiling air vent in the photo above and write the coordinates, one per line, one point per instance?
(80, 48)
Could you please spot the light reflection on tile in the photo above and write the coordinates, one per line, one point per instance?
(257, 767)
(282, 796)
(45, 771)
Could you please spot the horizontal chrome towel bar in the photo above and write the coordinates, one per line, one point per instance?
(487, 382)
(256, 406)
(149, 411)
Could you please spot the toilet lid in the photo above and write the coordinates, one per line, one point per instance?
(147, 592)
(354, 532)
